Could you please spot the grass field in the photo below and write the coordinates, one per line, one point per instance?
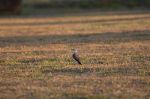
(114, 47)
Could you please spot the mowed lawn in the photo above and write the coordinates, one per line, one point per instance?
(114, 47)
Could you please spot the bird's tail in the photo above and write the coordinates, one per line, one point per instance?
(79, 62)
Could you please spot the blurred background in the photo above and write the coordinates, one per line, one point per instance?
(112, 37)
(24, 6)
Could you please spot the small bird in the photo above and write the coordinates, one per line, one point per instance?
(75, 56)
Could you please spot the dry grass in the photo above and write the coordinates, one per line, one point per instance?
(35, 60)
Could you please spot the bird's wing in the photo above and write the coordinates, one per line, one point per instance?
(76, 57)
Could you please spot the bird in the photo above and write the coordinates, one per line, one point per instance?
(75, 56)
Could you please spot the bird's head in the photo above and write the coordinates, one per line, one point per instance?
(74, 50)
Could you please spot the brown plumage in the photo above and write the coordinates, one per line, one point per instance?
(76, 57)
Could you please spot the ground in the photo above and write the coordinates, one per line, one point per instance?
(114, 47)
